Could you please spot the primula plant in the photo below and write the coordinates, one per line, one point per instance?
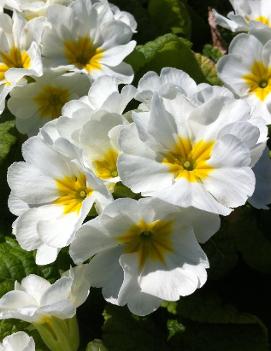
(135, 175)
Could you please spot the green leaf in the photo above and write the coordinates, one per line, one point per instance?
(7, 138)
(208, 68)
(165, 51)
(221, 251)
(170, 16)
(252, 240)
(124, 332)
(122, 191)
(212, 52)
(211, 325)
(15, 264)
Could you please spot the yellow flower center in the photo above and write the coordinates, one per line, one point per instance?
(189, 160)
(51, 100)
(83, 54)
(106, 166)
(259, 80)
(150, 241)
(72, 192)
(14, 58)
(263, 20)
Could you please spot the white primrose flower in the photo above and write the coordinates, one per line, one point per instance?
(261, 197)
(51, 308)
(103, 95)
(98, 140)
(170, 82)
(246, 12)
(191, 156)
(19, 51)
(33, 8)
(52, 193)
(249, 75)
(116, 13)
(145, 251)
(19, 341)
(92, 123)
(38, 102)
(36, 300)
(82, 39)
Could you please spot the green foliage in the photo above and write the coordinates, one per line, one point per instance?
(124, 332)
(7, 138)
(11, 326)
(212, 52)
(121, 191)
(15, 264)
(252, 240)
(209, 69)
(165, 51)
(221, 251)
(211, 325)
(170, 16)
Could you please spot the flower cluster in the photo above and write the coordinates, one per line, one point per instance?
(59, 48)
(186, 154)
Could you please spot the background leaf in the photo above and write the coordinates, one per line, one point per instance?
(170, 16)
(165, 51)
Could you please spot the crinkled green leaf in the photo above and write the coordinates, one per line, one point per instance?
(15, 264)
(124, 332)
(7, 138)
(209, 69)
(170, 16)
(165, 51)
(211, 325)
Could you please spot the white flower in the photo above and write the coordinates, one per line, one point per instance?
(33, 8)
(117, 14)
(92, 123)
(19, 51)
(19, 341)
(261, 197)
(249, 75)
(145, 251)
(36, 300)
(191, 156)
(246, 12)
(98, 140)
(170, 82)
(42, 100)
(52, 193)
(103, 95)
(84, 39)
